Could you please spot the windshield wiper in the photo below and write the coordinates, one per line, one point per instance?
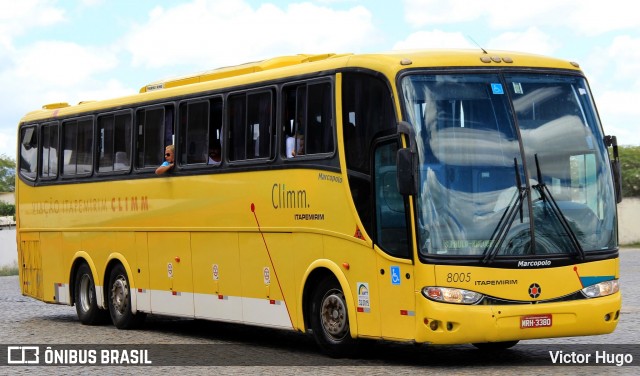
(547, 197)
(504, 225)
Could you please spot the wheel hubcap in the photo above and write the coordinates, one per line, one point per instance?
(334, 315)
(120, 295)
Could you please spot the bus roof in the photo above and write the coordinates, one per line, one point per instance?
(237, 70)
(389, 63)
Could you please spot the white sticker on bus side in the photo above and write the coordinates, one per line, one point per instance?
(363, 295)
(215, 272)
(267, 275)
(170, 270)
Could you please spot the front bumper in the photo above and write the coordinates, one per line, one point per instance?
(442, 323)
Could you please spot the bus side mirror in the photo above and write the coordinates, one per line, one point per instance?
(406, 172)
(406, 161)
(612, 141)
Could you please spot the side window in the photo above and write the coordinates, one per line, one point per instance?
(28, 152)
(194, 121)
(237, 127)
(215, 133)
(154, 133)
(49, 155)
(114, 142)
(367, 112)
(390, 219)
(77, 147)
(251, 126)
(308, 120)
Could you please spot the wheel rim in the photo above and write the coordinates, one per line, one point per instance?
(120, 295)
(333, 315)
(86, 293)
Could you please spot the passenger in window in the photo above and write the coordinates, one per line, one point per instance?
(214, 155)
(169, 156)
(295, 145)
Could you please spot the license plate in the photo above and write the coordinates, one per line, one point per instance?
(536, 321)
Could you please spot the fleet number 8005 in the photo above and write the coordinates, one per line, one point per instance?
(458, 277)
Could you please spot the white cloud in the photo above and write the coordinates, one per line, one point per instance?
(595, 17)
(19, 16)
(535, 40)
(68, 64)
(434, 39)
(92, 3)
(69, 75)
(584, 17)
(104, 90)
(614, 75)
(420, 13)
(29, 94)
(211, 33)
(532, 39)
(500, 14)
(624, 53)
(620, 115)
(8, 143)
(48, 72)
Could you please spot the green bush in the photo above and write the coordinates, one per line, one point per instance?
(7, 270)
(7, 209)
(630, 165)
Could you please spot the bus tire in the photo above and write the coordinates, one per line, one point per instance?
(330, 319)
(119, 297)
(85, 298)
(495, 346)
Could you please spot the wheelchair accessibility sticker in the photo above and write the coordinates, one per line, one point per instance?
(496, 88)
(395, 275)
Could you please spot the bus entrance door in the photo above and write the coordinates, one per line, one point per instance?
(395, 268)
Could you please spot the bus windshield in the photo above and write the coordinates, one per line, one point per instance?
(510, 164)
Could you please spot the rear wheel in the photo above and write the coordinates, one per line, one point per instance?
(85, 298)
(330, 319)
(119, 296)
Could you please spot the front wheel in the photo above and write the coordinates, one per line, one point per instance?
(330, 319)
(85, 298)
(119, 296)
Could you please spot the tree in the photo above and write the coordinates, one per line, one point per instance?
(630, 166)
(7, 174)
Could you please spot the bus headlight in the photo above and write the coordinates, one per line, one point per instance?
(451, 295)
(601, 289)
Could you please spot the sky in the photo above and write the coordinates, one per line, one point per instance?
(75, 50)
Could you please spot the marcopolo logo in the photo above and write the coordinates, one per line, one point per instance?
(535, 290)
(533, 263)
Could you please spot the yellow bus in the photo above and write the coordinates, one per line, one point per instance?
(436, 196)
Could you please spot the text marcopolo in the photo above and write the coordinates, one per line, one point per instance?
(534, 263)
